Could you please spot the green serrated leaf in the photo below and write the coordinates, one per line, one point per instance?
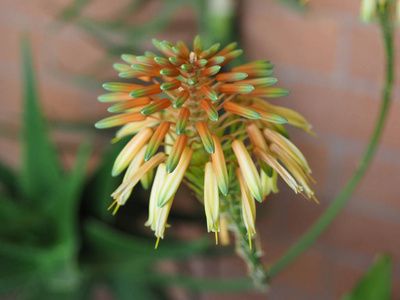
(376, 282)
(41, 170)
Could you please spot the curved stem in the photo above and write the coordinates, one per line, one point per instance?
(343, 197)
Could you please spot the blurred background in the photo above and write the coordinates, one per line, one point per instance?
(331, 63)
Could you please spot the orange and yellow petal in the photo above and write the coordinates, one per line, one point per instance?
(182, 120)
(119, 120)
(249, 170)
(231, 77)
(157, 139)
(236, 88)
(174, 179)
(156, 106)
(206, 137)
(209, 109)
(211, 198)
(176, 152)
(180, 99)
(241, 110)
(219, 164)
(209, 92)
(146, 91)
(131, 150)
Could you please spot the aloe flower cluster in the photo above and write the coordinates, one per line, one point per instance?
(193, 121)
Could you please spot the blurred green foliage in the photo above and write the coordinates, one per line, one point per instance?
(51, 246)
(376, 282)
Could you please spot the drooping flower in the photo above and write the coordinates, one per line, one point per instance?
(196, 122)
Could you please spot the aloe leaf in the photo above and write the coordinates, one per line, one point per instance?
(8, 180)
(65, 202)
(124, 287)
(376, 282)
(205, 284)
(98, 191)
(41, 170)
(74, 10)
(107, 247)
(297, 5)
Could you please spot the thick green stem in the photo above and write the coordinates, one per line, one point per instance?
(250, 255)
(343, 197)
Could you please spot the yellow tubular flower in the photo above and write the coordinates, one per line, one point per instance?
(131, 150)
(123, 192)
(250, 174)
(248, 207)
(192, 121)
(219, 164)
(211, 199)
(288, 147)
(269, 159)
(133, 128)
(158, 215)
(398, 12)
(368, 10)
(137, 161)
(269, 184)
(224, 231)
(174, 179)
(155, 191)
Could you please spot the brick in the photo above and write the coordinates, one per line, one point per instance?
(38, 9)
(363, 234)
(289, 39)
(68, 106)
(390, 135)
(303, 214)
(168, 267)
(334, 111)
(342, 113)
(102, 10)
(178, 294)
(67, 145)
(344, 279)
(102, 292)
(317, 155)
(231, 266)
(10, 100)
(352, 6)
(10, 151)
(378, 183)
(10, 45)
(187, 231)
(77, 55)
(233, 296)
(368, 61)
(306, 273)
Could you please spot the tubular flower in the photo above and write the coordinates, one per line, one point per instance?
(194, 121)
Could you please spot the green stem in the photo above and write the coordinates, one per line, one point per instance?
(251, 256)
(343, 197)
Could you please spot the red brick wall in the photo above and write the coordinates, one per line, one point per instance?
(332, 64)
